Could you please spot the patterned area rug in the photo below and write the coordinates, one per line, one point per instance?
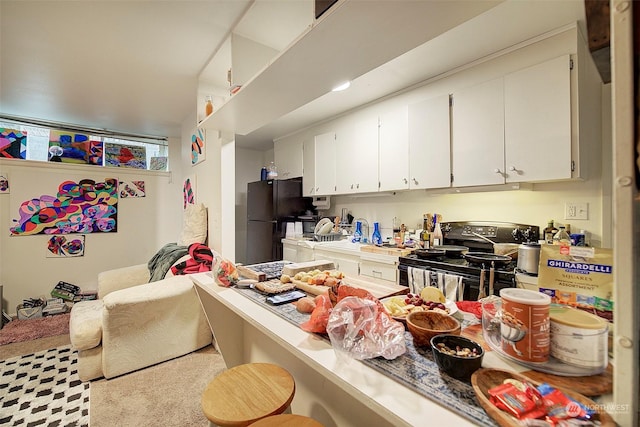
(31, 329)
(43, 389)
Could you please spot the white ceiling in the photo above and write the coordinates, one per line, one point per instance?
(133, 66)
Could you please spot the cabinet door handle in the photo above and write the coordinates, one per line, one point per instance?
(415, 181)
(352, 186)
(357, 185)
(405, 180)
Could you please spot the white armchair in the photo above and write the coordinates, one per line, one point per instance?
(135, 324)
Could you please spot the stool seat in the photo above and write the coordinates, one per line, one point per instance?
(287, 420)
(246, 393)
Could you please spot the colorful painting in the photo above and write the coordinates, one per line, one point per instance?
(158, 163)
(96, 153)
(4, 184)
(78, 207)
(61, 247)
(189, 191)
(13, 143)
(198, 146)
(125, 156)
(131, 189)
(69, 147)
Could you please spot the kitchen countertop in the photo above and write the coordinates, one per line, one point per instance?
(345, 246)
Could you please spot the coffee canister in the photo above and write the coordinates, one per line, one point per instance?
(579, 338)
(525, 325)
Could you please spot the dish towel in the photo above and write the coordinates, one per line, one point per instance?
(451, 285)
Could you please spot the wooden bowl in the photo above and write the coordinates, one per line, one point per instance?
(424, 325)
(484, 380)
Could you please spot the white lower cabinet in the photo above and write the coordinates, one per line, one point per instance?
(348, 264)
(379, 270)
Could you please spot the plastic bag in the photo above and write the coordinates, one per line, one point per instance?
(361, 328)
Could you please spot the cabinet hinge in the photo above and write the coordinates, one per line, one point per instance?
(571, 64)
(573, 165)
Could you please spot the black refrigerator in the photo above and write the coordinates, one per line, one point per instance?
(270, 205)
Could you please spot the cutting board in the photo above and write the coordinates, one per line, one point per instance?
(377, 288)
(593, 385)
(386, 250)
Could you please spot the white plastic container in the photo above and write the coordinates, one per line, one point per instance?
(578, 338)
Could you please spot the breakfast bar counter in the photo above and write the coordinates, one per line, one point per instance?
(332, 390)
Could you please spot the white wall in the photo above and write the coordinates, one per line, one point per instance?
(144, 226)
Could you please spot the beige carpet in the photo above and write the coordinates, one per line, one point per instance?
(167, 394)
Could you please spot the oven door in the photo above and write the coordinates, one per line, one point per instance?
(471, 282)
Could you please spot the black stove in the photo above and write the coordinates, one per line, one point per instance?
(464, 233)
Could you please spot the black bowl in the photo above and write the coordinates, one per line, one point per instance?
(459, 367)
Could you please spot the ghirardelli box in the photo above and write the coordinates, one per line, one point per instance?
(578, 276)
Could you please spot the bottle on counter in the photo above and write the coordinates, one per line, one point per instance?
(549, 232)
(562, 237)
(357, 235)
(396, 229)
(436, 236)
(376, 237)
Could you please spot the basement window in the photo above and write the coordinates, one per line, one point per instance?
(54, 142)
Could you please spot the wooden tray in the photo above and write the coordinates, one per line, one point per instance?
(386, 250)
(485, 379)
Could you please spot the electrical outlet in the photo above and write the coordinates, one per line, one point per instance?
(576, 211)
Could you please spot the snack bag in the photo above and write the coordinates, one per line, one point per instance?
(319, 316)
(225, 272)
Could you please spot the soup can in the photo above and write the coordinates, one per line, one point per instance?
(525, 324)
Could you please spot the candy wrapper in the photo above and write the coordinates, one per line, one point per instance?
(224, 272)
(361, 329)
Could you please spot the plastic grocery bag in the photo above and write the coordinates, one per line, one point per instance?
(361, 329)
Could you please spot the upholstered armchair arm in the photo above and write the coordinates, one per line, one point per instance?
(121, 278)
(151, 323)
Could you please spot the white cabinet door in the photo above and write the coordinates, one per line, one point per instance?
(379, 270)
(325, 163)
(477, 145)
(394, 150)
(538, 122)
(357, 151)
(429, 138)
(349, 265)
(309, 168)
(288, 157)
(290, 252)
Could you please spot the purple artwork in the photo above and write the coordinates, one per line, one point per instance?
(83, 207)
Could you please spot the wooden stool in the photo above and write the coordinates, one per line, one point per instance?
(286, 420)
(246, 393)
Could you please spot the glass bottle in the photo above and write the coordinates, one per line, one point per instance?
(549, 232)
(357, 235)
(376, 237)
(562, 238)
(272, 171)
(208, 105)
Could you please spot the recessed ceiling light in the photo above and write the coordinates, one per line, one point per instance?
(341, 86)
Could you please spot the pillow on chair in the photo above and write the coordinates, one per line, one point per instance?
(194, 225)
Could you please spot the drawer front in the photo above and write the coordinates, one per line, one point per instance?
(379, 270)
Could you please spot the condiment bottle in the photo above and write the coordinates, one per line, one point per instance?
(376, 237)
(562, 237)
(208, 105)
(549, 232)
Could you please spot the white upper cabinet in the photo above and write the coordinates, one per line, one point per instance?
(538, 122)
(308, 168)
(394, 150)
(429, 139)
(477, 142)
(357, 157)
(288, 157)
(325, 164)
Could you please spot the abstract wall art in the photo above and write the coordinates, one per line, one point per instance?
(13, 143)
(158, 163)
(61, 247)
(78, 207)
(189, 191)
(131, 189)
(198, 146)
(4, 183)
(68, 147)
(125, 156)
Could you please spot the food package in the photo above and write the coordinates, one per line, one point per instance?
(317, 323)
(361, 328)
(225, 272)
